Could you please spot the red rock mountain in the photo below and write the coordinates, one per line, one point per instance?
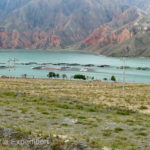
(115, 32)
(87, 25)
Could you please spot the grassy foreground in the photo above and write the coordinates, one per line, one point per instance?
(93, 113)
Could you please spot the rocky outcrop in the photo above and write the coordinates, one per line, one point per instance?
(98, 35)
(14, 39)
(124, 36)
(115, 32)
(13, 138)
(105, 36)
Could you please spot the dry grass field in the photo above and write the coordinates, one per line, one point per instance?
(93, 113)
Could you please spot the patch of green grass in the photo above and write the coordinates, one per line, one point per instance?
(81, 117)
(79, 107)
(64, 106)
(142, 134)
(118, 130)
(107, 132)
(91, 109)
(24, 110)
(65, 124)
(8, 93)
(125, 111)
(45, 113)
(143, 107)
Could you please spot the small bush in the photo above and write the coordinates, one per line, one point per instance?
(45, 113)
(142, 134)
(81, 117)
(143, 107)
(105, 79)
(64, 106)
(53, 75)
(64, 76)
(113, 78)
(91, 110)
(118, 130)
(79, 76)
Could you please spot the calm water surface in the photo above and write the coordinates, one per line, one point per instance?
(54, 57)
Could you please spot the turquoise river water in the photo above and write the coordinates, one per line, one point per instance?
(78, 59)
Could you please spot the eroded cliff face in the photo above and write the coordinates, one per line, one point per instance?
(28, 40)
(124, 36)
(105, 36)
(115, 32)
(98, 35)
(100, 38)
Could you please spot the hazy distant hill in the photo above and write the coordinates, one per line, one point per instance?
(101, 26)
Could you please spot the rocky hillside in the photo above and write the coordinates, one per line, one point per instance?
(127, 35)
(100, 26)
